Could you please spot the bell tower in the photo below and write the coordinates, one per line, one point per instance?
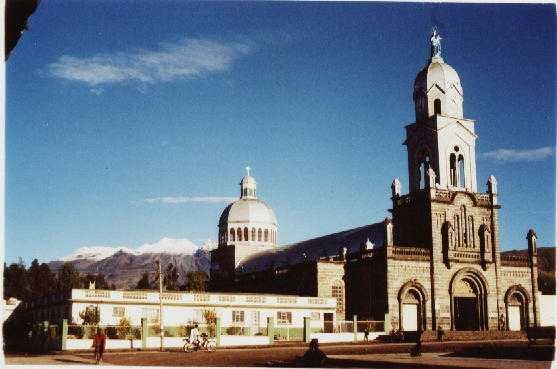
(441, 139)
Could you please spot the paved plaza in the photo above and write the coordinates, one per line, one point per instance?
(489, 354)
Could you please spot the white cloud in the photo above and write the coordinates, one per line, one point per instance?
(513, 155)
(189, 58)
(186, 199)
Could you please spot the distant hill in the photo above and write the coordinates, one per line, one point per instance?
(124, 266)
(546, 267)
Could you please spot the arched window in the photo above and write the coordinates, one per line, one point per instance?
(253, 234)
(452, 166)
(461, 181)
(259, 234)
(232, 234)
(239, 233)
(246, 235)
(266, 235)
(437, 106)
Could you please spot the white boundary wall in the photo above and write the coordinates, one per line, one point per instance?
(244, 340)
(344, 337)
(548, 307)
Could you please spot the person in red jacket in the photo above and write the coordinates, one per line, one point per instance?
(99, 342)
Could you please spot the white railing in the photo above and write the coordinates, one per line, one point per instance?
(213, 299)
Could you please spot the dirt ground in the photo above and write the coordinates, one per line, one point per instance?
(284, 355)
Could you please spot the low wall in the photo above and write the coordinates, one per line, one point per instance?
(169, 342)
(343, 337)
(87, 344)
(243, 340)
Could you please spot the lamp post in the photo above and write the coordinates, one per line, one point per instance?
(161, 325)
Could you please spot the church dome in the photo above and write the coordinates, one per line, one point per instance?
(437, 72)
(248, 211)
(437, 88)
(248, 220)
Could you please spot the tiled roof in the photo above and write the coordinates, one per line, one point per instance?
(315, 248)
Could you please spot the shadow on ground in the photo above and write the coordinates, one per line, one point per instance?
(537, 353)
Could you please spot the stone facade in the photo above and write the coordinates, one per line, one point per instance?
(436, 263)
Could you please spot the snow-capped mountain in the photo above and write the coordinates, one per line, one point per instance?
(124, 265)
(173, 246)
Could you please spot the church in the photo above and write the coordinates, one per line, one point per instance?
(435, 262)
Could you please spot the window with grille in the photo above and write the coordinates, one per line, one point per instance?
(337, 292)
(238, 316)
(284, 317)
(118, 311)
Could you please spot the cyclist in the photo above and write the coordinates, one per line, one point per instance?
(194, 336)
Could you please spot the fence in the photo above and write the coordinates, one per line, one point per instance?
(148, 335)
(288, 334)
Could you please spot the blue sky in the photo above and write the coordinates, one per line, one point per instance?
(110, 104)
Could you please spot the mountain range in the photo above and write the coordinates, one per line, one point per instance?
(123, 266)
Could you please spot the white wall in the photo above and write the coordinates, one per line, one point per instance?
(243, 340)
(343, 337)
(548, 307)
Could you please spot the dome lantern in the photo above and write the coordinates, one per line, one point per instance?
(248, 186)
(437, 88)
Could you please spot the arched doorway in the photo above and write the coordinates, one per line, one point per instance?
(516, 302)
(412, 310)
(468, 301)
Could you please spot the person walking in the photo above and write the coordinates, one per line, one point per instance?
(99, 343)
(366, 334)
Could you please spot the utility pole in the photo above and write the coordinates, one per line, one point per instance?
(161, 326)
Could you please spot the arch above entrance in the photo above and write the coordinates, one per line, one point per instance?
(468, 295)
(516, 305)
(412, 298)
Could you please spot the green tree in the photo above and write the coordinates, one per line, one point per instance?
(15, 281)
(171, 278)
(68, 278)
(42, 281)
(124, 328)
(196, 281)
(143, 283)
(90, 315)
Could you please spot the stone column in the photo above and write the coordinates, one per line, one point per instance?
(64, 335)
(307, 329)
(533, 256)
(217, 331)
(355, 327)
(144, 333)
(271, 329)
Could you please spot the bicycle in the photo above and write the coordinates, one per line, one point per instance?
(204, 343)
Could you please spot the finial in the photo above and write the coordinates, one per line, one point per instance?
(247, 170)
(435, 43)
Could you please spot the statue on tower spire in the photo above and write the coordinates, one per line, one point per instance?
(435, 43)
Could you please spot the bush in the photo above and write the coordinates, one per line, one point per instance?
(124, 328)
(135, 333)
(112, 332)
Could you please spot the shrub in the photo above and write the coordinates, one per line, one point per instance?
(124, 328)
(111, 332)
